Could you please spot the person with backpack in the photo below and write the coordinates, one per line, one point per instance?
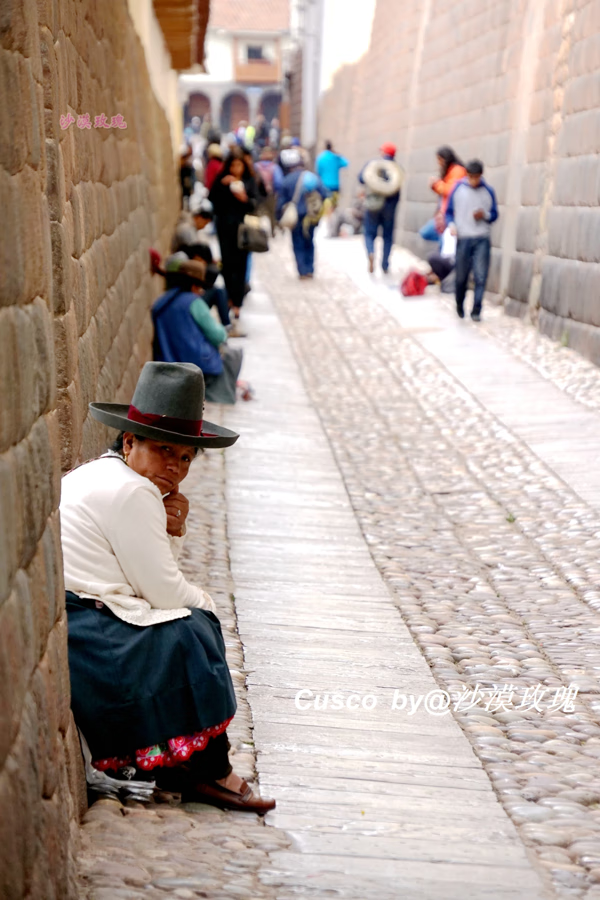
(272, 178)
(383, 180)
(299, 208)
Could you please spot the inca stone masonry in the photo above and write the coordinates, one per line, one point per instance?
(516, 83)
(79, 208)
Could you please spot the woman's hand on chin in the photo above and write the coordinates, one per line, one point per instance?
(177, 507)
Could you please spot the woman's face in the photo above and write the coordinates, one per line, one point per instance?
(164, 464)
(237, 168)
(441, 162)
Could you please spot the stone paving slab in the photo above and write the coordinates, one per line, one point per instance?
(534, 408)
(324, 628)
(491, 558)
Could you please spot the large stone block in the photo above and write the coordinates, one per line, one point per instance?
(44, 691)
(17, 660)
(18, 125)
(75, 768)
(10, 525)
(26, 368)
(89, 365)
(12, 248)
(36, 487)
(61, 267)
(521, 271)
(66, 346)
(59, 668)
(20, 800)
(70, 424)
(34, 224)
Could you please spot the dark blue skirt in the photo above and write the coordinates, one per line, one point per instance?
(134, 687)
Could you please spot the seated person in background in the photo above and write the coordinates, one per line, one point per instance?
(185, 233)
(202, 216)
(185, 331)
(443, 261)
(212, 296)
(150, 686)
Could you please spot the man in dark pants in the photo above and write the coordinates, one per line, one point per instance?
(472, 209)
(381, 209)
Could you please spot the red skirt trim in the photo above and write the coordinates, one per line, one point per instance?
(172, 753)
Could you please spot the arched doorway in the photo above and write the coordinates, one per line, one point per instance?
(234, 109)
(198, 105)
(270, 105)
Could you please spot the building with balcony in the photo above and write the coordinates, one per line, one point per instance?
(247, 48)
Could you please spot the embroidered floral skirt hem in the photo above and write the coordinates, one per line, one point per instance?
(173, 752)
(152, 695)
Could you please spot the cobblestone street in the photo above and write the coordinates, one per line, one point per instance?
(413, 506)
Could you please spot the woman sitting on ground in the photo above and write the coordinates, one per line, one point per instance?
(150, 687)
(185, 331)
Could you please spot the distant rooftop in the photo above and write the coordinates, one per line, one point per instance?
(250, 15)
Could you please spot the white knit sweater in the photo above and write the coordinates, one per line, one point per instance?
(116, 547)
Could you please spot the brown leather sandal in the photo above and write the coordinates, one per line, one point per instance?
(217, 795)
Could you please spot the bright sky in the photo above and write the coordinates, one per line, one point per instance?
(346, 34)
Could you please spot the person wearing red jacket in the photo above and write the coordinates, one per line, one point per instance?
(214, 164)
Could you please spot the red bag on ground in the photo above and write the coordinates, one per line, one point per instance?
(414, 284)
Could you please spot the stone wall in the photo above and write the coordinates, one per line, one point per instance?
(514, 82)
(79, 207)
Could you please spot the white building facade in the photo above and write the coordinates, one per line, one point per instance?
(247, 45)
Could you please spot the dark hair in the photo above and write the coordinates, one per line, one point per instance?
(328, 145)
(474, 167)
(236, 153)
(450, 158)
(203, 214)
(179, 280)
(197, 251)
(117, 445)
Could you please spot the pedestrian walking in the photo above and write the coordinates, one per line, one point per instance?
(383, 179)
(274, 134)
(472, 208)
(299, 208)
(261, 136)
(214, 165)
(329, 164)
(233, 196)
(187, 176)
(451, 172)
(272, 179)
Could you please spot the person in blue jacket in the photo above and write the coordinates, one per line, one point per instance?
(307, 191)
(471, 210)
(329, 164)
(185, 331)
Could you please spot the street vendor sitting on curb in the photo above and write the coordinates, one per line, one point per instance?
(149, 680)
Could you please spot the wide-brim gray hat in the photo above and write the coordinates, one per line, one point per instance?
(167, 405)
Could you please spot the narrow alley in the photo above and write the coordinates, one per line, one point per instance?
(398, 523)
